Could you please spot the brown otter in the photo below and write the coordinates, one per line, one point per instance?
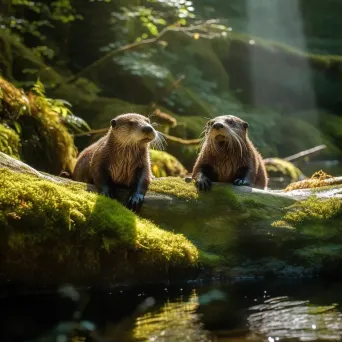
(228, 156)
(119, 159)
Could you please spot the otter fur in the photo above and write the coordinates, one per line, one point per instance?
(228, 156)
(119, 159)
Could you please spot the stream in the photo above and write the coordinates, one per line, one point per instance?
(241, 310)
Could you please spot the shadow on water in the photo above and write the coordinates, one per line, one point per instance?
(236, 311)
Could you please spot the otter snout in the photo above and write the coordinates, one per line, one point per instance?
(147, 133)
(147, 129)
(218, 125)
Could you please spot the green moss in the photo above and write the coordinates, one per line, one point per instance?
(46, 143)
(164, 164)
(178, 187)
(313, 213)
(209, 259)
(69, 226)
(9, 142)
(175, 186)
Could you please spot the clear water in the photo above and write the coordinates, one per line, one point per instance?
(282, 310)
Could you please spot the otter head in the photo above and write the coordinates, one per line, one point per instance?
(225, 128)
(132, 129)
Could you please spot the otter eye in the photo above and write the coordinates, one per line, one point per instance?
(130, 123)
(229, 121)
(113, 123)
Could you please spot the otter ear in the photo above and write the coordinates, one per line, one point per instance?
(245, 124)
(113, 123)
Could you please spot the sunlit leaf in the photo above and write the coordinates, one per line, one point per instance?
(17, 127)
(152, 28)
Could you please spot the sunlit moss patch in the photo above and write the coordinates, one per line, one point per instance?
(312, 210)
(67, 224)
(45, 140)
(9, 141)
(318, 179)
(174, 186)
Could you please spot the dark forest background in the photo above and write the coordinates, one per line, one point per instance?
(277, 64)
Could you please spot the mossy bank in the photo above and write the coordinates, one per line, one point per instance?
(58, 231)
(55, 233)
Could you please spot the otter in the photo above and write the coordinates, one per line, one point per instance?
(228, 156)
(119, 159)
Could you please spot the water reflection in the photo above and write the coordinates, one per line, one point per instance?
(275, 319)
(175, 321)
(280, 318)
(241, 311)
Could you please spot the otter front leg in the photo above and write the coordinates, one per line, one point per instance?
(104, 184)
(204, 178)
(243, 177)
(136, 200)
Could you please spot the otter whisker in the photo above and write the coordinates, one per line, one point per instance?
(236, 139)
(158, 142)
(162, 137)
(240, 141)
(203, 132)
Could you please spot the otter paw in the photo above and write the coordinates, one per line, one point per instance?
(106, 193)
(204, 184)
(135, 202)
(241, 182)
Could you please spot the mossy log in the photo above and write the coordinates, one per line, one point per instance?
(55, 230)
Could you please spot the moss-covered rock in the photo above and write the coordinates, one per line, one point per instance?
(66, 233)
(9, 141)
(244, 231)
(317, 181)
(44, 139)
(283, 170)
(56, 224)
(164, 164)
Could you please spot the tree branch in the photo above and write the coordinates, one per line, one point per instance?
(184, 30)
(167, 136)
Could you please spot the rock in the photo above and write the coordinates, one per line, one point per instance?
(54, 231)
(64, 231)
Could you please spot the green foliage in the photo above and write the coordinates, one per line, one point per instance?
(75, 232)
(41, 124)
(41, 15)
(60, 107)
(156, 15)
